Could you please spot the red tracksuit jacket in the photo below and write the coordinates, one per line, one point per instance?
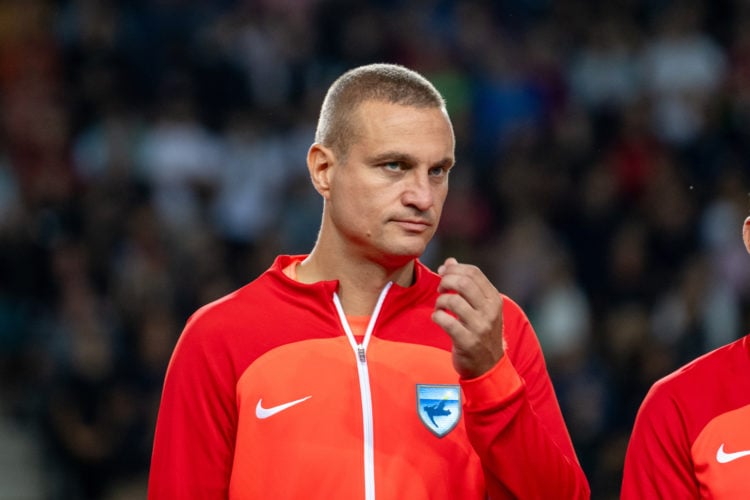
(269, 395)
(691, 437)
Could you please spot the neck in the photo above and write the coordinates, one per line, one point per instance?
(360, 280)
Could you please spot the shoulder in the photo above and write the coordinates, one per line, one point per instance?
(701, 373)
(203, 331)
(512, 311)
(694, 392)
(676, 409)
(225, 316)
(225, 309)
(517, 329)
(521, 343)
(247, 302)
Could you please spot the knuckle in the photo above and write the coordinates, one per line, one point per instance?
(486, 325)
(473, 271)
(463, 281)
(454, 300)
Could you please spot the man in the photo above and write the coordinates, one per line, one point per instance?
(355, 372)
(691, 437)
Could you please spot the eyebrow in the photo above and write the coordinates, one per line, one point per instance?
(446, 162)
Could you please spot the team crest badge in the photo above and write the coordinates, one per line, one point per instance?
(439, 407)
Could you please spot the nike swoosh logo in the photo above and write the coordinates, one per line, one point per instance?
(723, 457)
(262, 413)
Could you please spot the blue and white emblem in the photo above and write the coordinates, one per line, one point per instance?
(439, 407)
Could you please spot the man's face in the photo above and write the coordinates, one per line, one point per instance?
(387, 193)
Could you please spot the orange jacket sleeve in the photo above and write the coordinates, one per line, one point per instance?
(515, 424)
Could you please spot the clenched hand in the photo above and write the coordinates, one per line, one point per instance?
(470, 310)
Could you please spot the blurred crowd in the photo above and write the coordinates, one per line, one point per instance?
(152, 158)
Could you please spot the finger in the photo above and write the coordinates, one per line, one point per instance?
(450, 261)
(452, 326)
(477, 321)
(469, 284)
(452, 267)
(456, 306)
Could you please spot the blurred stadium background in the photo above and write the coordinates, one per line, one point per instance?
(152, 159)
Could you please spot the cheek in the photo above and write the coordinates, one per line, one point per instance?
(360, 202)
(440, 197)
(355, 208)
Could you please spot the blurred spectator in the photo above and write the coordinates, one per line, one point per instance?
(603, 71)
(178, 157)
(255, 170)
(683, 69)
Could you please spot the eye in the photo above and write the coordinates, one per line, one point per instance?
(438, 171)
(394, 166)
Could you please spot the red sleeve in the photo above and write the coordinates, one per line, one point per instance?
(658, 462)
(514, 422)
(194, 441)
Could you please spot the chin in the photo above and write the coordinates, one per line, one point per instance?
(403, 256)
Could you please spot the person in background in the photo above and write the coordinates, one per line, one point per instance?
(691, 437)
(356, 371)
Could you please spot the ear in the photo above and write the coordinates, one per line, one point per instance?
(320, 161)
(746, 233)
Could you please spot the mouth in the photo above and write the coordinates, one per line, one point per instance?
(413, 225)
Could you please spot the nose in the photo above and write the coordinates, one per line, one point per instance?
(419, 191)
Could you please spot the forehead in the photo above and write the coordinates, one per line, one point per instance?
(395, 126)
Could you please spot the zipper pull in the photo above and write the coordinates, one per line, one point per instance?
(361, 352)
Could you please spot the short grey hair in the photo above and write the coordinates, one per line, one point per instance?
(382, 82)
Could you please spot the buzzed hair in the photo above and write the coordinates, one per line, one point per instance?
(389, 83)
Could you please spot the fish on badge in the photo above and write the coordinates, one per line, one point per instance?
(439, 407)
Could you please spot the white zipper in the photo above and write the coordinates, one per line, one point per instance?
(360, 352)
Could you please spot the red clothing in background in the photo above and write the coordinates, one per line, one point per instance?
(692, 435)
